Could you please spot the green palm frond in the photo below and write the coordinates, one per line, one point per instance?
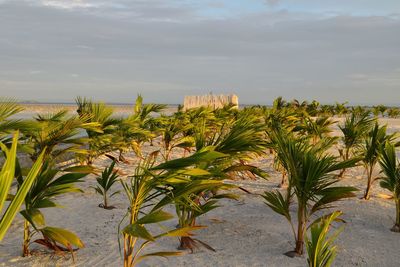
(311, 177)
(320, 248)
(390, 168)
(6, 176)
(8, 108)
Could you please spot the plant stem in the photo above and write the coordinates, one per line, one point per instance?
(346, 157)
(396, 227)
(105, 200)
(398, 212)
(130, 241)
(367, 191)
(300, 230)
(283, 183)
(27, 239)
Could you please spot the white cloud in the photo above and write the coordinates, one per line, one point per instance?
(139, 47)
(67, 4)
(34, 72)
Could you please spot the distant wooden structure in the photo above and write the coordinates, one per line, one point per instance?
(212, 101)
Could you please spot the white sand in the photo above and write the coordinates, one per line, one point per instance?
(244, 233)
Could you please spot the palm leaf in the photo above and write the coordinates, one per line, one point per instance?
(7, 174)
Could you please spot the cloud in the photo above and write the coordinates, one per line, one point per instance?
(35, 72)
(121, 48)
(272, 2)
(68, 4)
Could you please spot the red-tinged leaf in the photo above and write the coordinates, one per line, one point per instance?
(62, 236)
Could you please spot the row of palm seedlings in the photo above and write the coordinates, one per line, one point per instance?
(49, 139)
(195, 153)
(315, 109)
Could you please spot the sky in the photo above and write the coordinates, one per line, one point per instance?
(112, 50)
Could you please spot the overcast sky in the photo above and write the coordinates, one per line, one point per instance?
(164, 49)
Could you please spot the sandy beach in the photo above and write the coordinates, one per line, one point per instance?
(244, 133)
(243, 233)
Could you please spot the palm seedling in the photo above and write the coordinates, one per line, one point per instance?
(320, 248)
(285, 119)
(393, 113)
(391, 180)
(9, 108)
(102, 139)
(379, 110)
(354, 130)
(371, 151)
(172, 135)
(230, 113)
(57, 134)
(217, 157)
(311, 175)
(131, 132)
(241, 139)
(144, 111)
(341, 109)
(313, 108)
(279, 103)
(142, 191)
(51, 183)
(108, 178)
(315, 129)
(327, 110)
(8, 124)
(360, 111)
(7, 174)
(129, 135)
(191, 190)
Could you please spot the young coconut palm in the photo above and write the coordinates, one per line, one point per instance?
(129, 135)
(131, 132)
(360, 111)
(42, 194)
(371, 151)
(143, 111)
(341, 109)
(142, 191)
(311, 174)
(285, 119)
(354, 130)
(7, 174)
(279, 103)
(393, 113)
(172, 133)
(391, 180)
(315, 129)
(218, 156)
(191, 190)
(58, 134)
(320, 248)
(102, 139)
(313, 108)
(9, 108)
(108, 178)
(8, 125)
(379, 110)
